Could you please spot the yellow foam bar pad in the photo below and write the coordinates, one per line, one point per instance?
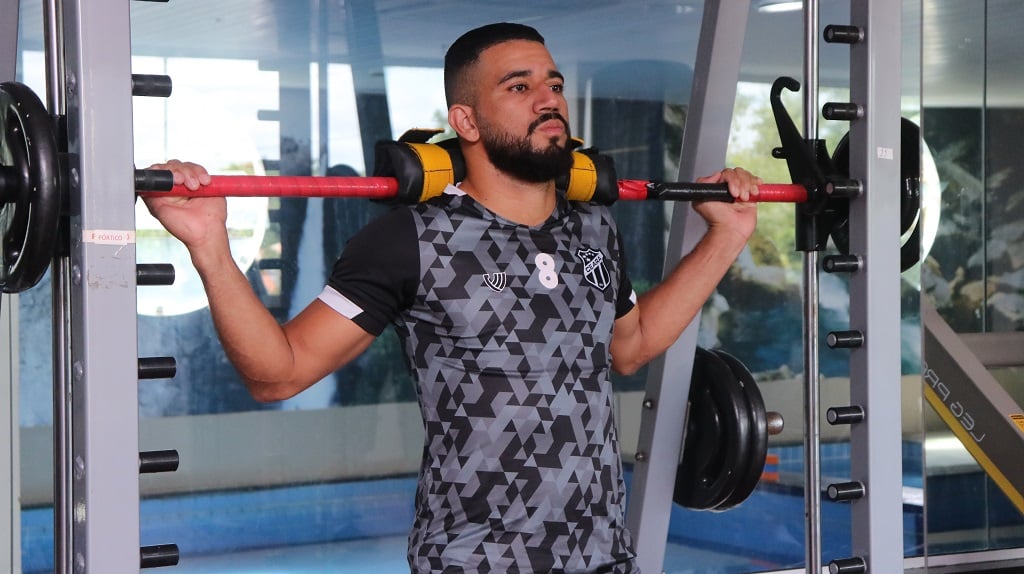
(582, 181)
(438, 172)
(423, 170)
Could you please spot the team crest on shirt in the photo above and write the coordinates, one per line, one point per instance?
(594, 270)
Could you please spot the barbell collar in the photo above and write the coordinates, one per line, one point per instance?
(774, 422)
(154, 180)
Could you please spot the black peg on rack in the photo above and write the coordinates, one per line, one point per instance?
(157, 367)
(848, 188)
(855, 565)
(843, 491)
(151, 85)
(158, 555)
(841, 263)
(154, 461)
(845, 415)
(839, 34)
(842, 111)
(154, 274)
(845, 339)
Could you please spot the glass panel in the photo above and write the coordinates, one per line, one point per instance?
(972, 118)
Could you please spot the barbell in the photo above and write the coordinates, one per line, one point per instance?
(409, 170)
(386, 188)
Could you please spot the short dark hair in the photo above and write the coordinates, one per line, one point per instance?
(465, 51)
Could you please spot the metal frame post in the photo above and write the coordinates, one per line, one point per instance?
(10, 464)
(8, 39)
(104, 332)
(705, 140)
(60, 286)
(811, 289)
(876, 442)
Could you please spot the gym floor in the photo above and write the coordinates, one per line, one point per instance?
(387, 556)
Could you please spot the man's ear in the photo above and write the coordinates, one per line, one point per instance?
(463, 121)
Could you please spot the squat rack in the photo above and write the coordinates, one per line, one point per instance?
(96, 382)
(875, 486)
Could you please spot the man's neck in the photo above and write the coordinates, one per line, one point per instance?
(522, 202)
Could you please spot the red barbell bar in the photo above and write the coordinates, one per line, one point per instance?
(387, 188)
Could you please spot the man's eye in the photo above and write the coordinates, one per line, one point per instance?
(557, 88)
(518, 88)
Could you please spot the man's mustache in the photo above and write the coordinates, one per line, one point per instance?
(548, 117)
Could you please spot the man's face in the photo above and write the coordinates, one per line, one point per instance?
(521, 111)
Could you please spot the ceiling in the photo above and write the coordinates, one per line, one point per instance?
(960, 37)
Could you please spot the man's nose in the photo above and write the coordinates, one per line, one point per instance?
(547, 101)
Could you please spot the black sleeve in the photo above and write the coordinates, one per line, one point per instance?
(626, 297)
(375, 277)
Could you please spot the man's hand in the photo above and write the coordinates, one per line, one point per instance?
(195, 221)
(739, 217)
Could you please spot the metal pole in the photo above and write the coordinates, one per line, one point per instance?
(61, 309)
(705, 141)
(812, 436)
(876, 445)
(10, 485)
(104, 334)
(9, 40)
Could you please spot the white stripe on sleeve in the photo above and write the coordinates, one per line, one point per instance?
(340, 303)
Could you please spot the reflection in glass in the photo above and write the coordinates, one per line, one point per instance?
(974, 273)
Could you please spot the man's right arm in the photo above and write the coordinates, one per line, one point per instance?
(275, 361)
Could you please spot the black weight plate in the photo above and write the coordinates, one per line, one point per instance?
(717, 440)
(758, 432)
(910, 192)
(30, 201)
(702, 450)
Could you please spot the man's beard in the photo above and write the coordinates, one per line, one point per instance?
(516, 157)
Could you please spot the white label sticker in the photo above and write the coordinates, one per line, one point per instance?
(885, 153)
(108, 236)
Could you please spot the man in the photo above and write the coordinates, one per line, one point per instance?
(513, 305)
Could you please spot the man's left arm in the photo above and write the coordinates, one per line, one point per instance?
(662, 313)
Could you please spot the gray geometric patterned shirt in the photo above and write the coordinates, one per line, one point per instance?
(506, 328)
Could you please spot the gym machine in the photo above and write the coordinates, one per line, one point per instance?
(98, 268)
(875, 486)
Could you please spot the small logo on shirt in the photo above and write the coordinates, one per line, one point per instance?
(594, 270)
(496, 281)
